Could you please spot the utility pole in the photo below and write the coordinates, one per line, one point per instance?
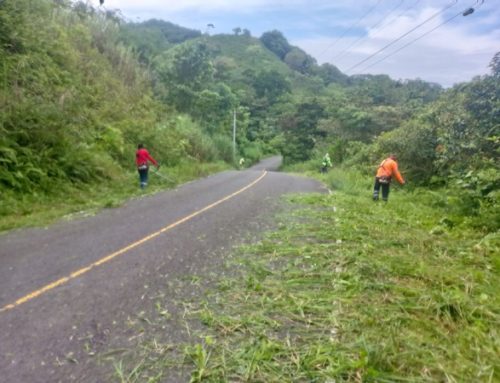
(234, 136)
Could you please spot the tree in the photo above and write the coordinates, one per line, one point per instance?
(213, 108)
(495, 65)
(237, 31)
(419, 90)
(331, 74)
(467, 118)
(300, 131)
(276, 43)
(183, 71)
(415, 144)
(299, 60)
(271, 85)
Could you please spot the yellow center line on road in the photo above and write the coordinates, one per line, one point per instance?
(122, 251)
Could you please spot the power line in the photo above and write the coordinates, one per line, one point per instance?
(407, 9)
(372, 27)
(402, 36)
(401, 14)
(350, 28)
(465, 12)
(395, 18)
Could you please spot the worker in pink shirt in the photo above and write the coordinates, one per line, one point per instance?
(142, 159)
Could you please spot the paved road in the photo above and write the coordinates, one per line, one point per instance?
(104, 266)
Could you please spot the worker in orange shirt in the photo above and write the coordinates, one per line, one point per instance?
(387, 169)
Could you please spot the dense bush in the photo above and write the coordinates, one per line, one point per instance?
(76, 102)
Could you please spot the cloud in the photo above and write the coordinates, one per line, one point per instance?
(173, 6)
(344, 32)
(454, 52)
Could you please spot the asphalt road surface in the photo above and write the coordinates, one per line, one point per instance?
(67, 290)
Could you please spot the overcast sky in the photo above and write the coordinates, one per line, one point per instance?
(349, 33)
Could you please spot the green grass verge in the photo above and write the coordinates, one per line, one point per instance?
(349, 290)
(68, 201)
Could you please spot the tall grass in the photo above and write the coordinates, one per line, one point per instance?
(67, 201)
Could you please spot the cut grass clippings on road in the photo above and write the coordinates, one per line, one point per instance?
(356, 291)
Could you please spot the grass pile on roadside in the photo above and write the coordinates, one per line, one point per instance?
(352, 290)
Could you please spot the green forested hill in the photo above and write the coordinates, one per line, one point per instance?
(81, 87)
(152, 37)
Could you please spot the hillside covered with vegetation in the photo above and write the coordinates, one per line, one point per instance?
(81, 87)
